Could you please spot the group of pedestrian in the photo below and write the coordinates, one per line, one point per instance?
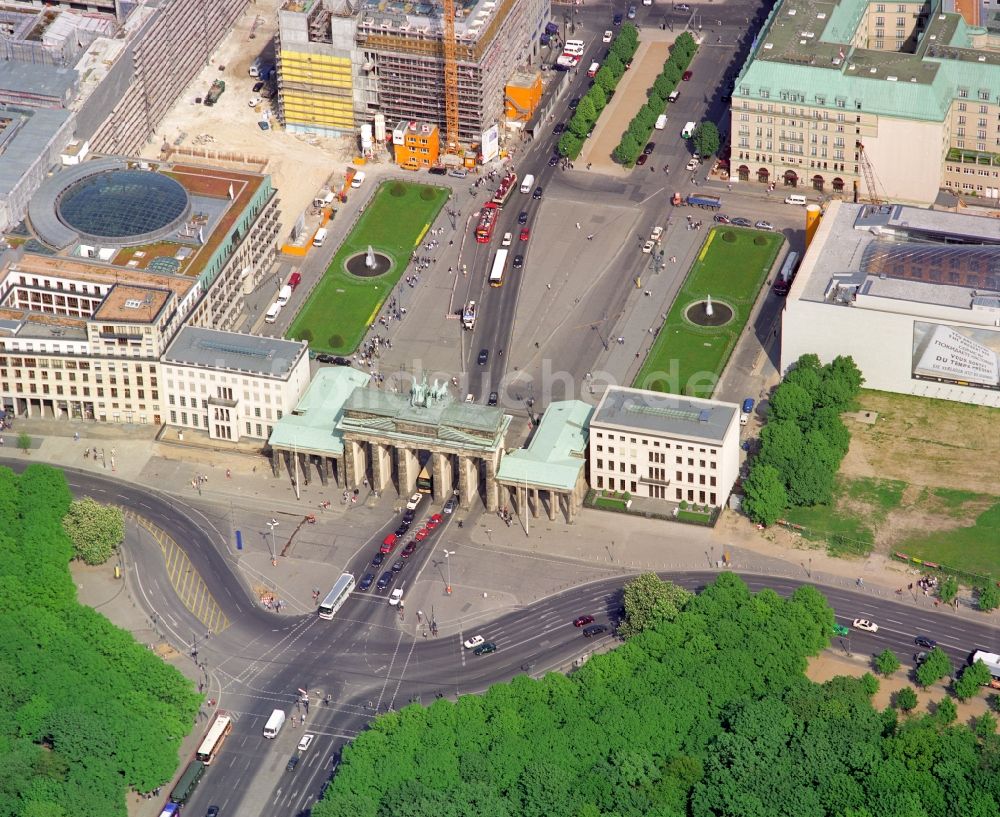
(505, 515)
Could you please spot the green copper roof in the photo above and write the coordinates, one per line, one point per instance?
(557, 452)
(312, 427)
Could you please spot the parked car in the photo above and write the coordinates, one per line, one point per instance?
(341, 361)
(474, 642)
(641, 159)
(866, 625)
(263, 125)
(682, 7)
(594, 629)
(257, 86)
(648, 246)
(609, 35)
(617, 20)
(435, 520)
(493, 399)
(574, 103)
(485, 649)
(553, 161)
(840, 629)
(686, 76)
(718, 218)
(414, 501)
(437, 170)
(366, 580)
(449, 506)
(748, 405)
(306, 741)
(631, 12)
(559, 128)
(650, 147)
(692, 164)
(764, 225)
(919, 658)
(324, 358)
(583, 621)
(741, 222)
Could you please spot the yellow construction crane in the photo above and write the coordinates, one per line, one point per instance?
(450, 79)
(869, 173)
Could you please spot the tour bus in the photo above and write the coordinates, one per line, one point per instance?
(783, 282)
(337, 596)
(499, 264)
(425, 483)
(214, 738)
(272, 313)
(188, 783)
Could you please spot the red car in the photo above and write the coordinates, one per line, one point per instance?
(525, 233)
(294, 279)
(687, 75)
(407, 552)
(433, 522)
(389, 543)
(583, 621)
(422, 534)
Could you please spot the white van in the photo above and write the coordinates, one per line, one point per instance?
(359, 179)
(594, 68)
(272, 313)
(796, 198)
(688, 131)
(274, 723)
(320, 237)
(674, 96)
(325, 200)
(527, 183)
(574, 47)
(661, 122)
(284, 294)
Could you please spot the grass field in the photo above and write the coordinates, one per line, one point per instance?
(342, 306)
(686, 358)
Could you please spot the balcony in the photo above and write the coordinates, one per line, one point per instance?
(972, 157)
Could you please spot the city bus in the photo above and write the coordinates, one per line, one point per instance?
(783, 282)
(487, 221)
(335, 598)
(170, 810)
(499, 263)
(214, 738)
(188, 783)
(424, 483)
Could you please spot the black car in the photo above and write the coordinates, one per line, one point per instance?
(522, 217)
(397, 565)
(573, 103)
(293, 761)
(438, 171)
(618, 19)
(366, 580)
(537, 194)
(559, 128)
(494, 397)
(650, 147)
(378, 559)
(409, 515)
(484, 356)
(741, 222)
(256, 89)
(384, 580)
(325, 358)
(594, 629)
(404, 526)
(925, 642)
(341, 361)
(518, 261)
(213, 811)
(553, 161)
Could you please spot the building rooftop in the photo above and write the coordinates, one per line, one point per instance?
(234, 352)
(38, 80)
(670, 415)
(133, 303)
(24, 132)
(312, 426)
(556, 455)
(403, 18)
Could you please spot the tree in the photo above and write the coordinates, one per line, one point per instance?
(585, 109)
(790, 402)
(663, 86)
(597, 97)
(946, 711)
(706, 139)
(656, 104)
(985, 725)
(810, 480)
(580, 125)
(96, 530)
(947, 589)
(606, 79)
(672, 74)
(765, 497)
(988, 597)
(616, 64)
(886, 663)
(570, 145)
(906, 699)
(628, 150)
(24, 442)
(973, 678)
(937, 665)
(686, 43)
(648, 600)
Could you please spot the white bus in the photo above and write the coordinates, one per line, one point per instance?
(496, 274)
(214, 738)
(335, 598)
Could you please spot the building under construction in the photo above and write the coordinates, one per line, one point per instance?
(395, 51)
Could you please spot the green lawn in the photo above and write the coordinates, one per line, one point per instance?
(342, 306)
(731, 267)
(975, 548)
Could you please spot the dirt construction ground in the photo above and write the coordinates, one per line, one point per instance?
(299, 164)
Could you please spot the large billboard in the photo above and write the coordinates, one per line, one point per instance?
(490, 144)
(960, 355)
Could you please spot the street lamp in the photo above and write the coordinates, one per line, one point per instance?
(448, 553)
(274, 547)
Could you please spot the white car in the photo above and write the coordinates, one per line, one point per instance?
(647, 248)
(691, 165)
(396, 597)
(414, 501)
(507, 239)
(306, 741)
(254, 101)
(764, 225)
(655, 235)
(608, 36)
(474, 642)
(866, 625)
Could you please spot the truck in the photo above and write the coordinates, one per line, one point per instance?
(274, 723)
(469, 315)
(218, 87)
(992, 662)
(697, 200)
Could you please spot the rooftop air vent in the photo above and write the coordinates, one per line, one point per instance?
(890, 79)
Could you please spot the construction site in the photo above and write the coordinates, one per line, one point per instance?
(444, 63)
